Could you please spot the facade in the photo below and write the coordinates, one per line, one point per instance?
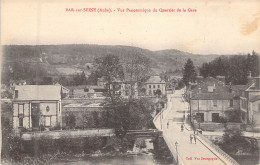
(249, 101)
(154, 84)
(85, 115)
(87, 91)
(211, 100)
(254, 111)
(36, 106)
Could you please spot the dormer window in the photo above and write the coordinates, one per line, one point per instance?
(16, 94)
(211, 88)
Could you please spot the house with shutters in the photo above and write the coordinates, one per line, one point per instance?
(36, 106)
(211, 99)
(153, 85)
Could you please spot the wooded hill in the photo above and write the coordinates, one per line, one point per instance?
(69, 59)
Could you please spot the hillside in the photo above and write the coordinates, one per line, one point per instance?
(71, 59)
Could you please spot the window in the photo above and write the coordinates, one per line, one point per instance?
(16, 94)
(20, 122)
(211, 89)
(215, 103)
(158, 86)
(86, 89)
(200, 117)
(47, 121)
(150, 86)
(20, 110)
(231, 103)
(215, 117)
(153, 86)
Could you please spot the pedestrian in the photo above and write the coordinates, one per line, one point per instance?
(167, 124)
(191, 138)
(195, 138)
(182, 128)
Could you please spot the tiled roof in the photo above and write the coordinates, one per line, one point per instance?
(38, 92)
(220, 92)
(154, 79)
(213, 96)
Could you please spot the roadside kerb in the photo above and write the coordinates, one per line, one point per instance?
(225, 158)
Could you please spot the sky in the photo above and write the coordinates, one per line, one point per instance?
(217, 27)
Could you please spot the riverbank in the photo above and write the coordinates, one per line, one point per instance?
(91, 149)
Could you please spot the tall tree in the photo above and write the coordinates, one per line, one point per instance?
(137, 69)
(111, 70)
(253, 64)
(189, 73)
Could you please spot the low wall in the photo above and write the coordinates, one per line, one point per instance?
(67, 134)
(216, 150)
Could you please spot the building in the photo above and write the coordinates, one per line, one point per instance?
(36, 106)
(154, 85)
(124, 89)
(87, 91)
(211, 100)
(249, 102)
(85, 115)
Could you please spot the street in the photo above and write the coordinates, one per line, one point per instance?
(188, 153)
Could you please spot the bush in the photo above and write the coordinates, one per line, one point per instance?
(234, 142)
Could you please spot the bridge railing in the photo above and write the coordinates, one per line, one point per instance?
(218, 150)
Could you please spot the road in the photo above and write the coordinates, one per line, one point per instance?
(189, 153)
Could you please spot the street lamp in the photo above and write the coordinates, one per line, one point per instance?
(176, 145)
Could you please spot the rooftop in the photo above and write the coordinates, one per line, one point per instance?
(39, 92)
(154, 79)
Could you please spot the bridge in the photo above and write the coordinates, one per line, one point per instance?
(152, 133)
(68, 134)
(148, 133)
(184, 152)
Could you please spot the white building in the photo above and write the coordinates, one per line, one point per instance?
(37, 105)
(153, 85)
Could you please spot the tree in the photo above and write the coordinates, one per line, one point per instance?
(83, 78)
(111, 70)
(158, 92)
(63, 81)
(189, 73)
(253, 64)
(137, 69)
(70, 120)
(46, 81)
(220, 68)
(77, 80)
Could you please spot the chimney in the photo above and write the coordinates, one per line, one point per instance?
(230, 87)
(221, 78)
(249, 77)
(199, 89)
